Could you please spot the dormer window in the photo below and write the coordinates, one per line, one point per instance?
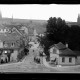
(5, 44)
(6, 30)
(3, 30)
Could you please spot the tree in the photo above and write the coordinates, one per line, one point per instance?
(57, 30)
(74, 37)
(23, 48)
(45, 44)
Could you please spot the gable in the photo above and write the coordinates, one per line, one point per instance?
(67, 52)
(15, 32)
(60, 46)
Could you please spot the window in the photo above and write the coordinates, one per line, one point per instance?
(8, 51)
(4, 51)
(5, 45)
(54, 51)
(70, 59)
(63, 59)
(12, 45)
(7, 30)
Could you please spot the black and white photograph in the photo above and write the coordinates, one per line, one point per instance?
(38, 38)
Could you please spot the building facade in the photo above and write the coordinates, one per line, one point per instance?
(61, 55)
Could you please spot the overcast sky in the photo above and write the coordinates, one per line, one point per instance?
(37, 11)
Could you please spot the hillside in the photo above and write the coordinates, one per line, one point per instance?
(39, 25)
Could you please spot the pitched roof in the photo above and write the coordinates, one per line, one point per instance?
(2, 26)
(16, 31)
(60, 45)
(8, 37)
(67, 52)
(64, 51)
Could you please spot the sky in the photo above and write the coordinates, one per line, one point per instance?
(41, 12)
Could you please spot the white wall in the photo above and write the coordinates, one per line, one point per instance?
(13, 56)
(52, 56)
(1, 44)
(78, 60)
(67, 61)
(3, 30)
(54, 50)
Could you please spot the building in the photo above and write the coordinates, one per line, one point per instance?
(3, 29)
(74, 23)
(39, 25)
(24, 30)
(62, 55)
(9, 45)
(9, 42)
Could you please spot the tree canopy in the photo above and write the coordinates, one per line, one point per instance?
(57, 30)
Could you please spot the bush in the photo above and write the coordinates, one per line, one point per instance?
(21, 55)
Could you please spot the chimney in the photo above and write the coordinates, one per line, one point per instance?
(66, 45)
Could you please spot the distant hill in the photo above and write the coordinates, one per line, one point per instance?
(39, 25)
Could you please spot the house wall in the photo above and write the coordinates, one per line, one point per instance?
(78, 60)
(9, 44)
(1, 44)
(4, 30)
(54, 50)
(14, 55)
(67, 61)
(53, 56)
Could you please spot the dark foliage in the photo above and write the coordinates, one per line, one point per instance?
(23, 48)
(57, 30)
(74, 37)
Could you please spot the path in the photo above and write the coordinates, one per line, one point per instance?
(28, 65)
(62, 68)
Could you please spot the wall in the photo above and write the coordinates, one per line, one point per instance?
(54, 50)
(3, 30)
(13, 56)
(53, 56)
(1, 44)
(67, 61)
(78, 60)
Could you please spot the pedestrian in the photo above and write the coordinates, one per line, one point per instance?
(8, 55)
